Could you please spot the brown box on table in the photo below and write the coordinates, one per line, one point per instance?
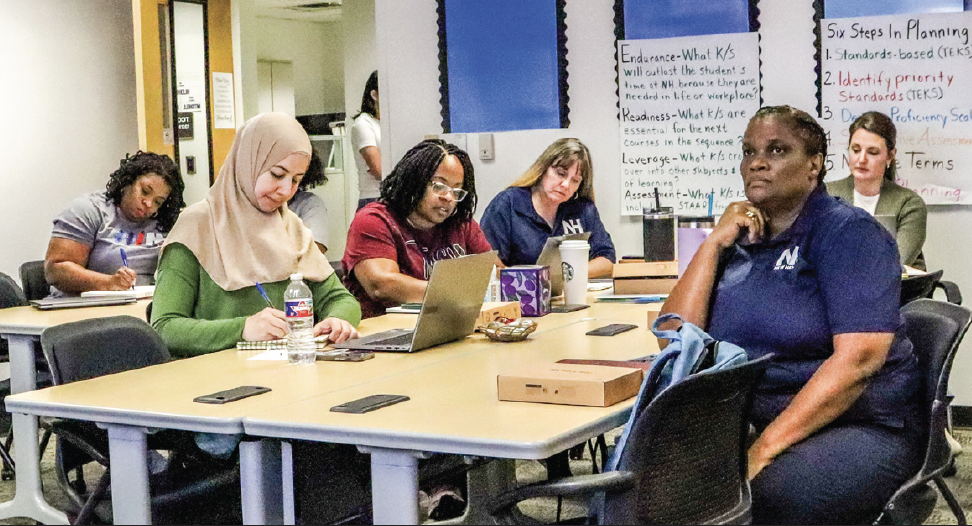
(570, 384)
(639, 277)
(498, 309)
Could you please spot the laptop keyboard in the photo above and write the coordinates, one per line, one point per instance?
(401, 339)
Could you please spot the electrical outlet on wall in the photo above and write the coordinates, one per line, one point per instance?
(486, 149)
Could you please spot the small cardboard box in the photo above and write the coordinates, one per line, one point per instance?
(498, 309)
(570, 384)
(528, 284)
(640, 277)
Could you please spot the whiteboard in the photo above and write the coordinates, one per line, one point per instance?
(917, 69)
(684, 105)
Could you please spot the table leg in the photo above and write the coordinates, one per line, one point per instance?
(28, 498)
(394, 485)
(130, 498)
(260, 482)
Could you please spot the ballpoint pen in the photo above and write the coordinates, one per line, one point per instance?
(124, 257)
(263, 293)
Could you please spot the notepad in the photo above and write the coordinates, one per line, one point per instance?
(271, 345)
(140, 292)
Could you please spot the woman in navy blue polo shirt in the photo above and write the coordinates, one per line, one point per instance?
(797, 273)
(554, 197)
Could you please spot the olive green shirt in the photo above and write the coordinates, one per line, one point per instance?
(905, 211)
(195, 316)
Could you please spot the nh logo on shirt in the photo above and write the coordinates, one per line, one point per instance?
(788, 259)
(572, 226)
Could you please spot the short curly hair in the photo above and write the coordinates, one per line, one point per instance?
(810, 131)
(142, 163)
(315, 175)
(405, 186)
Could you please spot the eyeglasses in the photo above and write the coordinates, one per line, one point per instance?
(443, 189)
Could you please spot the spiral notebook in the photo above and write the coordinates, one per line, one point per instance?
(271, 345)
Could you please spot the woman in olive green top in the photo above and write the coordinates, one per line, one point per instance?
(242, 234)
(871, 186)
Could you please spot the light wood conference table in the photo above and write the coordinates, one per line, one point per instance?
(134, 403)
(22, 327)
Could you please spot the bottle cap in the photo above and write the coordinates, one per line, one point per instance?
(297, 277)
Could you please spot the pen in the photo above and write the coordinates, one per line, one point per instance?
(263, 293)
(124, 257)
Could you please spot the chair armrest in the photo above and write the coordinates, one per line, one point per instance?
(952, 292)
(612, 481)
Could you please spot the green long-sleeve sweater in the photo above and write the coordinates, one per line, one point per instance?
(195, 316)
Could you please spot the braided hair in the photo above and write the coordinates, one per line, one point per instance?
(143, 163)
(813, 135)
(405, 186)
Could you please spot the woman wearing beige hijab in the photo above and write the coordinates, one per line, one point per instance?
(240, 235)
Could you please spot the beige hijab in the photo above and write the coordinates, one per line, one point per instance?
(237, 243)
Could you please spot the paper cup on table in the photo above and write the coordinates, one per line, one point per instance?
(574, 258)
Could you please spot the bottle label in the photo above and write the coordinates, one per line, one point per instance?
(299, 308)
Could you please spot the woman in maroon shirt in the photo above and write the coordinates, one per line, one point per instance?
(425, 215)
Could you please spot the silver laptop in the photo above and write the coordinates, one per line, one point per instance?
(449, 312)
(550, 256)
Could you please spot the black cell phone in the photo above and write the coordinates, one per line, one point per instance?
(611, 330)
(231, 395)
(344, 356)
(369, 403)
(571, 307)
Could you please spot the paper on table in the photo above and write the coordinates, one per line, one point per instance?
(596, 286)
(140, 292)
(273, 354)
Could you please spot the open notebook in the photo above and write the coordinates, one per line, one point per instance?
(270, 345)
(140, 292)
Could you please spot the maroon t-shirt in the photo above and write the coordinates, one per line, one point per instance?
(376, 232)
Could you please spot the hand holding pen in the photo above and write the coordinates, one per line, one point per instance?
(124, 277)
(268, 324)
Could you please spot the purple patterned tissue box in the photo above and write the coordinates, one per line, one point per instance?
(528, 284)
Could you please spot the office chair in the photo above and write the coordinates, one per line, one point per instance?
(91, 348)
(684, 461)
(10, 296)
(924, 286)
(33, 280)
(935, 328)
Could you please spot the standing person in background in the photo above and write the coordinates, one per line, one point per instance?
(366, 142)
(425, 215)
(871, 186)
(309, 207)
(139, 205)
(555, 196)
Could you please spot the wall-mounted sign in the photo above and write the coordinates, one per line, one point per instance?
(191, 97)
(224, 110)
(184, 125)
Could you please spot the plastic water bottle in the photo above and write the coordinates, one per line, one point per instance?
(299, 308)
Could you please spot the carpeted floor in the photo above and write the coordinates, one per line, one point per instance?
(545, 510)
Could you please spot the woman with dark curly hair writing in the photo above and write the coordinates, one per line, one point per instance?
(801, 275)
(425, 214)
(110, 240)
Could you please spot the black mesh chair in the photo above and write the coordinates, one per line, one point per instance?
(88, 349)
(10, 296)
(684, 462)
(925, 285)
(33, 280)
(935, 328)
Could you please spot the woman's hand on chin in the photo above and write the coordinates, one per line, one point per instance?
(336, 329)
(740, 218)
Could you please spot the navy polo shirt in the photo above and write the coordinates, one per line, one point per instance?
(834, 271)
(515, 229)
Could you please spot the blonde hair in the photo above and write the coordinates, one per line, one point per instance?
(563, 153)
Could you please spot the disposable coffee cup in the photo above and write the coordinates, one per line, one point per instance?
(574, 261)
(659, 233)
